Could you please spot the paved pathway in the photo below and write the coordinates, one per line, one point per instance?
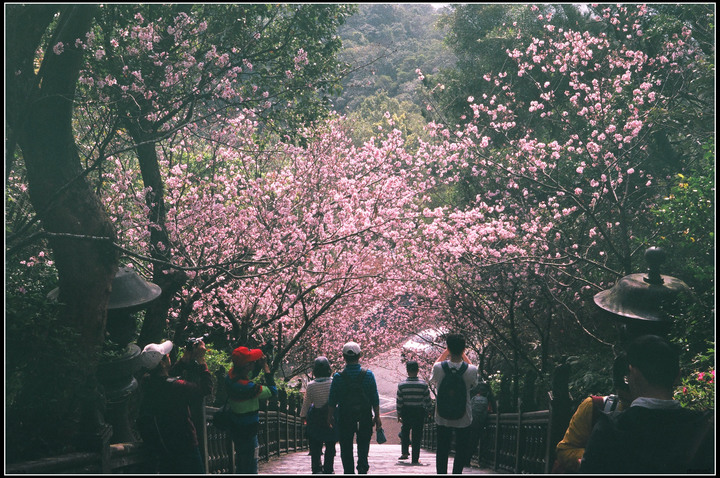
(383, 460)
(389, 371)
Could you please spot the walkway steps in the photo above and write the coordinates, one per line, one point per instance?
(383, 460)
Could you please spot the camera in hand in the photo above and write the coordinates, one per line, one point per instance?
(267, 350)
(193, 341)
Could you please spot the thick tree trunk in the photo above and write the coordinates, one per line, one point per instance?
(40, 115)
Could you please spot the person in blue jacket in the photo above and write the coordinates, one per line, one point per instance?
(354, 420)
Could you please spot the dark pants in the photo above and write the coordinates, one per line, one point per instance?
(413, 419)
(245, 440)
(316, 456)
(348, 430)
(476, 432)
(444, 437)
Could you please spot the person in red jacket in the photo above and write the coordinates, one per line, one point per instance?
(244, 397)
(165, 422)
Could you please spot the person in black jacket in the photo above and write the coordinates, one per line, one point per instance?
(165, 422)
(189, 368)
(655, 434)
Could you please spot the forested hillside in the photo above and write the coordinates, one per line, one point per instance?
(385, 44)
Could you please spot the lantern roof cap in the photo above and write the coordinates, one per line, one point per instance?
(646, 297)
(129, 290)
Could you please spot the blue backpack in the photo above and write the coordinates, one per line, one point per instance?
(355, 404)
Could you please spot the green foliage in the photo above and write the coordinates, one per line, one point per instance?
(383, 45)
(591, 374)
(218, 361)
(686, 219)
(38, 367)
(369, 120)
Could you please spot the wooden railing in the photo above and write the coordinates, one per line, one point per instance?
(281, 431)
(510, 442)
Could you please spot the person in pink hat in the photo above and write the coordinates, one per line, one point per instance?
(164, 420)
(244, 397)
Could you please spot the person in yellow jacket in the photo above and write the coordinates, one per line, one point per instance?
(571, 448)
(244, 398)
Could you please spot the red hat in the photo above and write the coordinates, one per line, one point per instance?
(244, 355)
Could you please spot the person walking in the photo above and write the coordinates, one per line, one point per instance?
(164, 419)
(454, 376)
(244, 398)
(413, 405)
(315, 410)
(354, 393)
(481, 408)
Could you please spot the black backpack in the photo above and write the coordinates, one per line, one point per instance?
(452, 393)
(355, 403)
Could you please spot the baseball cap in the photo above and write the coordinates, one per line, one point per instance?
(351, 349)
(152, 354)
(244, 355)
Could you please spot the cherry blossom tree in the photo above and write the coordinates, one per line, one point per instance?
(276, 240)
(156, 69)
(576, 151)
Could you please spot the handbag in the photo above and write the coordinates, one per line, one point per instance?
(380, 437)
(222, 419)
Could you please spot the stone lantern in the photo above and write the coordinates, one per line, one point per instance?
(130, 293)
(643, 303)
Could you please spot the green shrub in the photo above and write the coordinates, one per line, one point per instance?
(39, 392)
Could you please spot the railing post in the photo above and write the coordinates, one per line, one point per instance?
(233, 458)
(518, 436)
(287, 425)
(277, 433)
(497, 435)
(204, 436)
(548, 438)
(294, 414)
(267, 431)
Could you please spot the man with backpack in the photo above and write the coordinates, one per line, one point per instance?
(481, 406)
(354, 393)
(455, 376)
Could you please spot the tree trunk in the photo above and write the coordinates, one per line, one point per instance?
(170, 280)
(40, 115)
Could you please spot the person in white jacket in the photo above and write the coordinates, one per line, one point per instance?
(314, 410)
(453, 360)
